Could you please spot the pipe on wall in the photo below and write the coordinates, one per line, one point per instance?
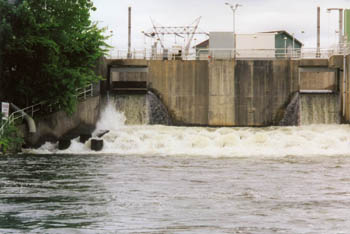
(30, 121)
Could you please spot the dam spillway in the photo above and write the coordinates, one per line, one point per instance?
(160, 140)
(214, 93)
(218, 93)
(141, 109)
(319, 108)
(228, 92)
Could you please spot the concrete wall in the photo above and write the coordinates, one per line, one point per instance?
(344, 84)
(345, 90)
(101, 69)
(183, 87)
(214, 93)
(312, 78)
(54, 126)
(222, 93)
(242, 93)
(263, 89)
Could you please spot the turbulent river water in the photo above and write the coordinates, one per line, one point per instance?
(177, 194)
(161, 179)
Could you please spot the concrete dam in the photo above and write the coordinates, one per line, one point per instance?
(237, 93)
(217, 93)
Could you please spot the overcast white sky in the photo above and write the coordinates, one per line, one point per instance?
(293, 16)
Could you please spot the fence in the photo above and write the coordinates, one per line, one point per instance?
(152, 55)
(82, 93)
(229, 53)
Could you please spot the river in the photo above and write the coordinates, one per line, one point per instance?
(163, 179)
(177, 194)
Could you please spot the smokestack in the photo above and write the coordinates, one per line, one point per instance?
(129, 34)
(318, 53)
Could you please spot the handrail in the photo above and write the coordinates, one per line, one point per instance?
(211, 53)
(85, 92)
(82, 93)
(29, 119)
(277, 53)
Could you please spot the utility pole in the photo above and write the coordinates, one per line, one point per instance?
(129, 35)
(234, 8)
(318, 52)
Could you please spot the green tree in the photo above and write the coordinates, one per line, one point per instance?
(49, 49)
(10, 138)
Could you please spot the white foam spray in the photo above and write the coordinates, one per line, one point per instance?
(157, 140)
(110, 119)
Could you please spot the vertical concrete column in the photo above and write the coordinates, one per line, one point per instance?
(347, 90)
(221, 93)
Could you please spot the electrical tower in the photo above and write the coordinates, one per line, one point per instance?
(158, 32)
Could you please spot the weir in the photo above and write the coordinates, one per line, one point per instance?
(218, 93)
(141, 109)
(235, 93)
(319, 98)
(134, 108)
(319, 108)
(158, 140)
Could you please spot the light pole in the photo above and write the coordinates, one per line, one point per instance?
(301, 47)
(285, 46)
(234, 8)
(293, 45)
(335, 40)
(144, 44)
(112, 49)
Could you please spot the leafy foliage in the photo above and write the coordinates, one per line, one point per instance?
(50, 48)
(10, 140)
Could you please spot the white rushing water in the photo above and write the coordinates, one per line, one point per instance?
(157, 140)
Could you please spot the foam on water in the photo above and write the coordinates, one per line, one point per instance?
(110, 119)
(161, 140)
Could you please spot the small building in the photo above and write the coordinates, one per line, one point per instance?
(202, 50)
(273, 44)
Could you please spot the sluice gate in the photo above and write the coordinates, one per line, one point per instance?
(319, 98)
(129, 87)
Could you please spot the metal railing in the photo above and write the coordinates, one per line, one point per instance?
(82, 93)
(229, 53)
(279, 53)
(20, 114)
(151, 55)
